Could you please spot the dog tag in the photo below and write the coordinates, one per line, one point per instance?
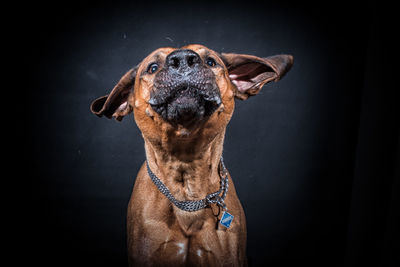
(226, 219)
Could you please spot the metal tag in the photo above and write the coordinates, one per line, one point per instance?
(226, 219)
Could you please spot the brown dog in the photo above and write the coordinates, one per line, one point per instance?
(181, 211)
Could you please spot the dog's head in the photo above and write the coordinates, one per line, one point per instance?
(188, 88)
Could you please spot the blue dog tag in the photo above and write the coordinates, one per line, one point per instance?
(226, 219)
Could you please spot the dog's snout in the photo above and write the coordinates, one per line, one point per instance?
(183, 60)
(185, 90)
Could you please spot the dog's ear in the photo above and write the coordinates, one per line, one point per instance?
(116, 103)
(250, 73)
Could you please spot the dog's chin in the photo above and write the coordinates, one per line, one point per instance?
(186, 109)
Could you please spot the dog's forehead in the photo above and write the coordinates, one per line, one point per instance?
(163, 52)
(159, 55)
(199, 49)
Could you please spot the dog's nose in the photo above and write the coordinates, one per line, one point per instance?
(183, 60)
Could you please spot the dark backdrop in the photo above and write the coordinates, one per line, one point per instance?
(314, 157)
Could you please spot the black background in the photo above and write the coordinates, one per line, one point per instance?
(314, 157)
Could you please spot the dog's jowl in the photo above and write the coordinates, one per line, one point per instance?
(184, 210)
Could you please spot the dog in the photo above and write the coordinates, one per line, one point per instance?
(184, 210)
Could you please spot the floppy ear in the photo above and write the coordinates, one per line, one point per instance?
(250, 73)
(116, 103)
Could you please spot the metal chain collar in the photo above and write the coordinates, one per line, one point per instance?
(195, 205)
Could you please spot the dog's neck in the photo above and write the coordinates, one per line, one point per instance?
(187, 166)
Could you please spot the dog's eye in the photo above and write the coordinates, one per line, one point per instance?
(211, 62)
(153, 67)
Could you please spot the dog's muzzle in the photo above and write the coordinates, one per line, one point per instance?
(185, 90)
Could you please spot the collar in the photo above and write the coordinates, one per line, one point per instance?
(217, 197)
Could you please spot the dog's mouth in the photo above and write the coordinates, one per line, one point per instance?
(186, 103)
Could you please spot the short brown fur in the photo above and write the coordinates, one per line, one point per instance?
(186, 160)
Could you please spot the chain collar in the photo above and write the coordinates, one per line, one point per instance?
(195, 205)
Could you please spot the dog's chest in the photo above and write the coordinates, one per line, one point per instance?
(191, 223)
(195, 244)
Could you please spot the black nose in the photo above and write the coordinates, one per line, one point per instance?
(183, 60)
